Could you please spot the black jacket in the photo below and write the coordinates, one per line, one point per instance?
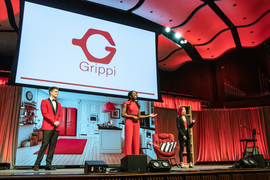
(181, 127)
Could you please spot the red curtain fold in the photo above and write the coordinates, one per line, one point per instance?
(172, 102)
(10, 98)
(3, 80)
(213, 135)
(218, 133)
(264, 115)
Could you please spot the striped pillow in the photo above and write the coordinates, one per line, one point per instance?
(167, 146)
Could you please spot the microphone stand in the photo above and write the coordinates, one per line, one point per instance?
(253, 131)
(253, 135)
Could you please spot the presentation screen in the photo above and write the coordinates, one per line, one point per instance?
(77, 52)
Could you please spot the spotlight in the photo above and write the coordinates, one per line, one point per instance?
(168, 29)
(177, 35)
(183, 41)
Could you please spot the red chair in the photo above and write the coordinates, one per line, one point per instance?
(162, 138)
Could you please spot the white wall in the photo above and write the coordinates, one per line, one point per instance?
(25, 131)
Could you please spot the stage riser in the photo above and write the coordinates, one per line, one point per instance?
(154, 176)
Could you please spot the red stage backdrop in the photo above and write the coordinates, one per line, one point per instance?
(217, 132)
(172, 102)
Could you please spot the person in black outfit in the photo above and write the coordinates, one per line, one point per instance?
(183, 126)
(52, 116)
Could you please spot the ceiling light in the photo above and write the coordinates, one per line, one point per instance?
(183, 41)
(177, 35)
(168, 29)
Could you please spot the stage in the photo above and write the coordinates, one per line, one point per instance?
(198, 172)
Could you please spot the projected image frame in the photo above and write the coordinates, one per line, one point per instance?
(103, 13)
(30, 133)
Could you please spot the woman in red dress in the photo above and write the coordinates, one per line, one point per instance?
(131, 111)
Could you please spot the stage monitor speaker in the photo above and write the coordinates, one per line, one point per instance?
(95, 167)
(4, 166)
(259, 160)
(161, 165)
(267, 163)
(134, 164)
(246, 162)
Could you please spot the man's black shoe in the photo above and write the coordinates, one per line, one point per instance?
(50, 168)
(36, 168)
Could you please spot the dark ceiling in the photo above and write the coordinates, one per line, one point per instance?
(210, 28)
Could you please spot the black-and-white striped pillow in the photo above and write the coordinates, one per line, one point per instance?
(167, 146)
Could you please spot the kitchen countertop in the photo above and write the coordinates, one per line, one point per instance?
(109, 128)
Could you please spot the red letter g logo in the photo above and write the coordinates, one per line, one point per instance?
(82, 44)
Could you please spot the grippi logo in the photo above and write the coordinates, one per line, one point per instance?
(85, 66)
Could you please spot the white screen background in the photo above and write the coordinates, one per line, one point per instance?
(47, 56)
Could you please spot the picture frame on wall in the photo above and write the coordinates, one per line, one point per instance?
(115, 114)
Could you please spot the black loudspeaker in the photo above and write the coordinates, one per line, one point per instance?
(95, 167)
(4, 166)
(246, 162)
(267, 163)
(259, 160)
(161, 165)
(134, 164)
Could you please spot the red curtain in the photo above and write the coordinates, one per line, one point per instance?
(218, 133)
(10, 98)
(3, 80)
(172, 102)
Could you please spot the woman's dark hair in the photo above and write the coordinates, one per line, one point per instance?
(130, 94)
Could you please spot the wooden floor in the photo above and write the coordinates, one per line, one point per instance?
(196, 173)
(25, 156)
(81, 170)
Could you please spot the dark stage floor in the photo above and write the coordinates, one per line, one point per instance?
(66, 171)
(198, 172)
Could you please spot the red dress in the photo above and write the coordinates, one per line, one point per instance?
(132, 130)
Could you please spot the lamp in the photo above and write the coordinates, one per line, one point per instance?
(108, 107)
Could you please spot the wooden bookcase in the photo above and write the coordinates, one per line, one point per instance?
(189, 114)
(28, 113)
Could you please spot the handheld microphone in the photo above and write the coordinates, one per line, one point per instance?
(254, 133)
